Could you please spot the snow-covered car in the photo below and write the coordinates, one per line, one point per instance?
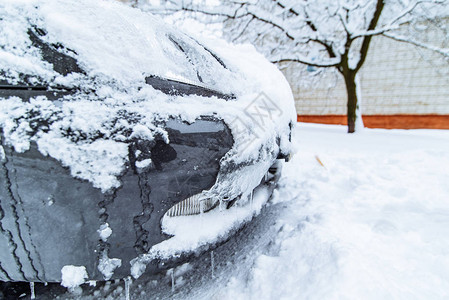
(113, 122)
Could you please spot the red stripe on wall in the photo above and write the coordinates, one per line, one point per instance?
(385, 121)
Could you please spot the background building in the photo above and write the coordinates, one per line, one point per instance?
(403, 86)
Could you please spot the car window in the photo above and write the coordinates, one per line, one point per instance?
(204, 65)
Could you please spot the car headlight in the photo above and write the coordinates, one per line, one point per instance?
(193, 205)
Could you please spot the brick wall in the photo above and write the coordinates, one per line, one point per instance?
(396, 79)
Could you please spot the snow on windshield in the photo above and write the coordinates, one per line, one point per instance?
(111, 40)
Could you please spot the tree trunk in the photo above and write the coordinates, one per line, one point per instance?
(358, 111)
(351, 90)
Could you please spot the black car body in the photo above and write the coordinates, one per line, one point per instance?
(96, 151)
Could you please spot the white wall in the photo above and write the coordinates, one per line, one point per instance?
(397, 78)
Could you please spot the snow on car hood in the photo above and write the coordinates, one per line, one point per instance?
(117, 47)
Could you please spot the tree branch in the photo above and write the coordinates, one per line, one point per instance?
(367, 39)
(308, 62)
(442, 51)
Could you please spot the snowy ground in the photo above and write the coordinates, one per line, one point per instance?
(371, 222)
(362, 216)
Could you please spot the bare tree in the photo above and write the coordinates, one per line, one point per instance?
(320, 33)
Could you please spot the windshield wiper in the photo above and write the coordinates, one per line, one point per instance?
(25, 92)
(175, 87)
